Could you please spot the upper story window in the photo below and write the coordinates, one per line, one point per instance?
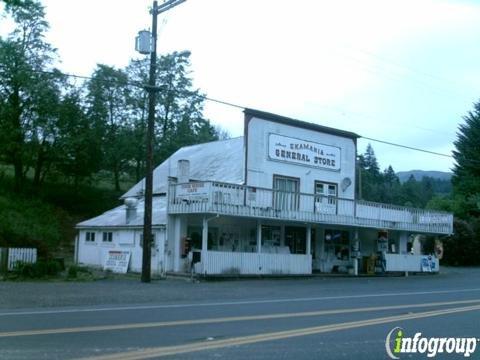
(107, 236)
(89, 236)
(286, 193)
(326, 197)
(327, 190)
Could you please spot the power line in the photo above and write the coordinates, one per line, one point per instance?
(406, 147)
(137, 84)
(226, 103)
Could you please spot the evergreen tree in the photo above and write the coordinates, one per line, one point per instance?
(466, 178)
(391, 186)
(370, 177)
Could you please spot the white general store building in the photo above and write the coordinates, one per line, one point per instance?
(279, 200)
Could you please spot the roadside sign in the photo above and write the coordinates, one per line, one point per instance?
(117, 261)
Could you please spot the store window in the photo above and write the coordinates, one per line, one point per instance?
(195, 234)
(271, 236)
(337, 244)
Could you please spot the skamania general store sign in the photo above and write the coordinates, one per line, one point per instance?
(284, 148)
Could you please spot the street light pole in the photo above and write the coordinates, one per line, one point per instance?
(151, 88)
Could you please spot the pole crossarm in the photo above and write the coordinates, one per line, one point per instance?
(167, 6)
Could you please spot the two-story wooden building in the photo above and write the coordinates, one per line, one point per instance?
(279, 200)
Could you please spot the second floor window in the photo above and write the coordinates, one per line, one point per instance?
(326, 197)
(286, 193)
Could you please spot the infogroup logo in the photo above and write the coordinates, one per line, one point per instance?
(397, 343)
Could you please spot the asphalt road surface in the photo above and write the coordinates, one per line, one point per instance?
(316, 318)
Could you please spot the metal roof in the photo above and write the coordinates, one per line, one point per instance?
(222, 160)
(117, 217)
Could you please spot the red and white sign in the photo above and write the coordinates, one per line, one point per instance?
(117, 261)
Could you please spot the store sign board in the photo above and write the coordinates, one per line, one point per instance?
(302, 152)
(117, 261)
(192, 190)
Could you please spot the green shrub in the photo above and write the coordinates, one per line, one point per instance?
(72, 272)
(40, 269)
(78, 272)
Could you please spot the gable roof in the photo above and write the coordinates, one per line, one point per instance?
(298, 123)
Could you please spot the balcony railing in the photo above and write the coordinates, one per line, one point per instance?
(248, 201)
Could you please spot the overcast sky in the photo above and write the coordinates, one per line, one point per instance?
(400, 71)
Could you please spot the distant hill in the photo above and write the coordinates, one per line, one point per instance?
(419, 174)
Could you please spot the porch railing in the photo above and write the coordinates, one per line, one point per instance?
(242, 263)
(249, 201)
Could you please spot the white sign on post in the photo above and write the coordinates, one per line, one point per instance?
(117, 261)
(287, 149)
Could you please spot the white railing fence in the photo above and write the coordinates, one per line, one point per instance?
(240, 200)
(10, 256)
(242, 263)
(413, 263)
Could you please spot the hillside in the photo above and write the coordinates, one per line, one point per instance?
(419, 174)
(46, 219)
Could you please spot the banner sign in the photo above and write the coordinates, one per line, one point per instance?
(117, 261)
(302, 152)
(192, 189)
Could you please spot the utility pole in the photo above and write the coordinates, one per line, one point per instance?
(151, 88)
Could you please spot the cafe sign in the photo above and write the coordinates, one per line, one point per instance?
(192, 190)
(302, 152)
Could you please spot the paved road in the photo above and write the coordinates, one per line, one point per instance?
(334, 318)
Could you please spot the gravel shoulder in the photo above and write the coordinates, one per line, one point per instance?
(129, 290)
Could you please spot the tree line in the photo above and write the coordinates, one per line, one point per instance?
(53, 126)
(386, 187)
(58, 128)
(461, 196)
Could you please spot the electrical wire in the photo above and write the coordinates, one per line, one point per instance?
(237, 106)
(406, 147)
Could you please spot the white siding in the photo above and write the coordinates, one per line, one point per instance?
(261, 170)
(94, 253)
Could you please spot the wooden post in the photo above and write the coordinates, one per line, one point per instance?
(309, 240)
(204, 244)
(3, 260)
(259, 236)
